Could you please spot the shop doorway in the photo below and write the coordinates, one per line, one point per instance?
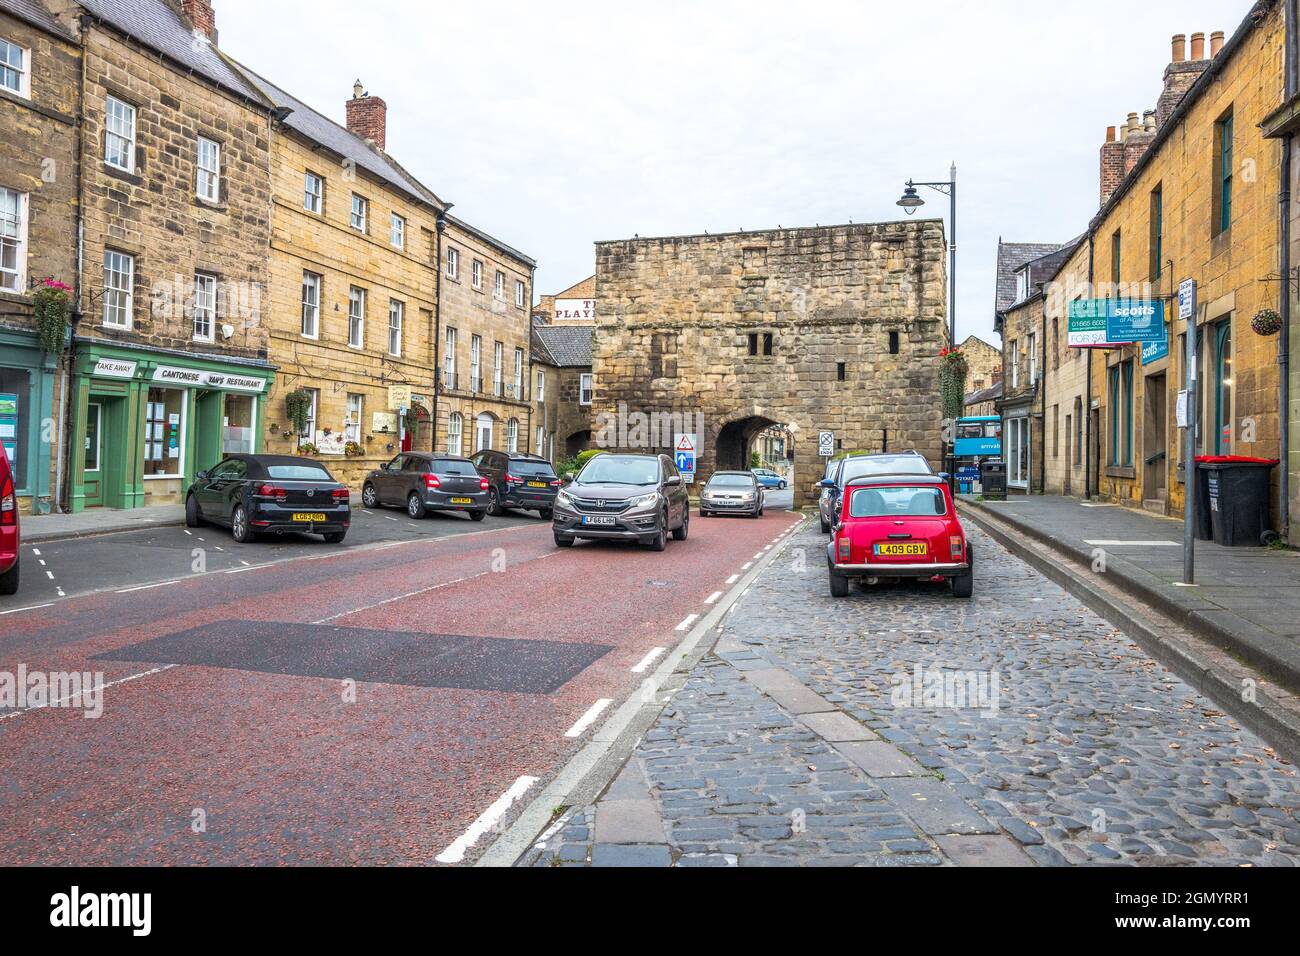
(1154, 443)
(92, 455)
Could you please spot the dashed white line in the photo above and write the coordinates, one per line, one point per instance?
(733, 579)
(36, 551)
(246, 567)
(712, 598)
(49, 574)
(97, 689)
(587, 719)
(486, 821)
(30, 607)
(747, 565)
(690, 619)
(144, 587)
(648, 660)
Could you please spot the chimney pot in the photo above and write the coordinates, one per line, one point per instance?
(357, 90)
(1110, 134)
(1198, 46)
(367, 116)
(1216, 43)
(1149, 120)
(1180, 47)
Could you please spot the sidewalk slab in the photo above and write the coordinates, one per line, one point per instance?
(1246, 600)
(54, 527)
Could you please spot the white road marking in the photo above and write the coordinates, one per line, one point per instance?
(589, 718)
(390, 517)
(41, 562)
(733, 579)
(712, 598)
(1115, 542)
(690, 619)
(144, 587)
(486, 821)
(97, 689)
(190, 533)
(648, 660)
(246, 567)
(747, 565)
(19, 610)
(36, 551)
(61, 591)
(49, 574)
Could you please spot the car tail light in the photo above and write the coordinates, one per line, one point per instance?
(340, 494)
(8, 502)
(271, 491)
(955, 546)
(556, 483)
(512, 480)
(431, 481)
(483, 484)
(842, 548)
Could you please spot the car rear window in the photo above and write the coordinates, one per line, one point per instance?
(897, 502)
(298, 473)
(445, 466)
(731, 481)
(537, 469)
(902, 465)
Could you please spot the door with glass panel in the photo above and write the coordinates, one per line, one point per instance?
(92, 455)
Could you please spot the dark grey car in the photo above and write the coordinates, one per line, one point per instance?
(624, 498)
(732, 492)
(857, 466)
(422, 482)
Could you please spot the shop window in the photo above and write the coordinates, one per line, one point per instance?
(1120, 394)
(1222, 408)
(237, 417)
(15, 419)
(164, 432)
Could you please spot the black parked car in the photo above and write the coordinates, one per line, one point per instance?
(252, 494)
(516, 480)
(624, 497)
(422, 482)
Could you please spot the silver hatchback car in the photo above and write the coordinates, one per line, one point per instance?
(732, 492)
(858, 466)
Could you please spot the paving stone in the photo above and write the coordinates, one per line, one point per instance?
(934, 807)
(879, 759)
(983, 850)
(605, 854)
(786, 689)
(836, 726)
(629, 821)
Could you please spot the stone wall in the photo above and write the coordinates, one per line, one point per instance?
(789, 326)
(1066, 382)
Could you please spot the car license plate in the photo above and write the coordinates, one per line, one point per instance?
(309, 516)
(462, 501)
(896, 549)
(537, 484)
(598, 519)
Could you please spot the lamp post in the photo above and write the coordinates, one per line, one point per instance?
(910, 203)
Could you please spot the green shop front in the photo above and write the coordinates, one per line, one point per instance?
(27, 376)
(146, 421)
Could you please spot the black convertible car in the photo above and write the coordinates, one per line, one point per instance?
(252, 494)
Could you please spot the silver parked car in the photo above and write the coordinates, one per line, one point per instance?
(422, 482)
(860, 466)
(732, 492)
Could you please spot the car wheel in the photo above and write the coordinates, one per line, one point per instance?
(563, 541)
(240, 529)
(963, 585)
(660, 541)
(477, 515)
(414, 505)
(826, 529)
(9, 580)
(334, 537)
(368, 496)
(193, 516)
(839, 585)
(781, 485)
(494, 504)
(703, 513)
(679, 534)
(546, 514)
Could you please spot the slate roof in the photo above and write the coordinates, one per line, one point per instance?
(565, 346)
(1011, 256)
(161, 26)
(989, 394)
(35, 13)
(492, 241)
(322, 130)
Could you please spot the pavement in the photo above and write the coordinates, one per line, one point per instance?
(391, 701)
(1247, 599)
(51, 527)
(901, 726)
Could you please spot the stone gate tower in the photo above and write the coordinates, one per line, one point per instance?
(831, 328)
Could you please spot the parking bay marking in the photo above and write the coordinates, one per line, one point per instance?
(712, 598)
(587, 719)
(690, 619)
(1113, 543)
(648, 660)
(96, 690)
(486, 821)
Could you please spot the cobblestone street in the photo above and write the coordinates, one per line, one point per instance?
(794, 742)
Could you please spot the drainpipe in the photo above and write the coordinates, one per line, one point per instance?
(1041, 385)
(441, 227)
(528, 346)
(1284, 339)
(1087, 401)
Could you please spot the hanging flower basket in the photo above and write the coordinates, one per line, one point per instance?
(353, 449)
(297, 407)
(952, 382)
(53, 307)
(1266, 322)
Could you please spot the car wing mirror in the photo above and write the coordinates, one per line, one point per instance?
(201, 476)
(672, 481)
(568, 477)
(827, 483)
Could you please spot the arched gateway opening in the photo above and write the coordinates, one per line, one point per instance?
(753, 441)
(736, 442)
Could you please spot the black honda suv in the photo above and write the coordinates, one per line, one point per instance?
(624, 497)
(516, 480)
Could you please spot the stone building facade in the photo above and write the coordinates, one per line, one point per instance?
(38, 226)
(485, 292)
(563, 389)
(1065, 382)
(352, 293)
(170, 354)
(983, 361)
(576, 305)
(834, 328)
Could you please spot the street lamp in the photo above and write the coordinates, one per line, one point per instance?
(912, 202)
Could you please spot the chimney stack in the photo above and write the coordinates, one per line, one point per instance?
(1216, 43)
(1112, 164)
(1181, 72)
(202, 16)
(367, 116)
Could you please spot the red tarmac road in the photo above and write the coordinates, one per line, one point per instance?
(229, 732)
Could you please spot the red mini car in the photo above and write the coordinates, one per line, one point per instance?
(899, 526)
(8, 528)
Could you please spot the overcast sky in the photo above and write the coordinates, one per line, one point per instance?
(554, 124)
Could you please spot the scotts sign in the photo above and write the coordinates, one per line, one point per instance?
(1106, 323)
(171, 375)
